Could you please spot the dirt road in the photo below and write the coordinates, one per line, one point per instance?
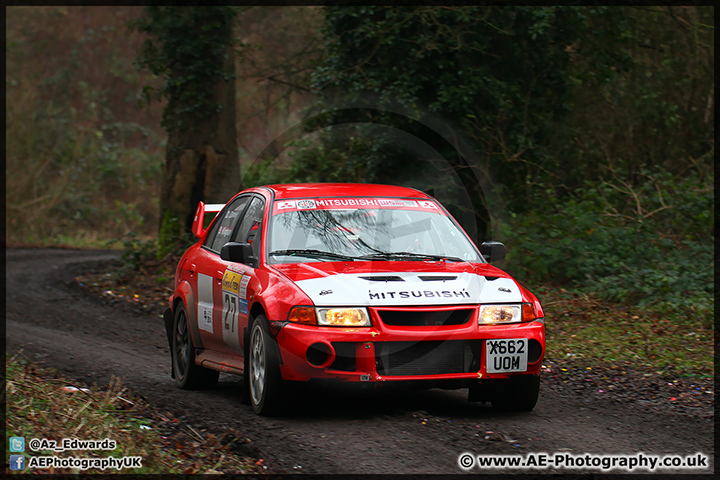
(58, 324)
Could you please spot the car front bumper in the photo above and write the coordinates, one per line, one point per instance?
(384, 353)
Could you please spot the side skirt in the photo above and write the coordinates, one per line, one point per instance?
(222, 363)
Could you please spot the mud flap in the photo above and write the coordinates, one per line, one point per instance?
(275, 328)
(169, 320)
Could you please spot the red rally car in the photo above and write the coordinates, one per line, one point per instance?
(359, 283)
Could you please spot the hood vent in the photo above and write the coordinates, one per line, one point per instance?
(384, 278)
(436, 278)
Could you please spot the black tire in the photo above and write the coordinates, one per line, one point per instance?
(264, 381)
(517, 394)
(188, 375)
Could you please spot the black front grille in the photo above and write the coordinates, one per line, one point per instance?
(425, 318)
(428, 357)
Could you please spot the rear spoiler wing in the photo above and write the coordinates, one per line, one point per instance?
(198, 226)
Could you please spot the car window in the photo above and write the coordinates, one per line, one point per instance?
(358, 232)
(222, 229)
(251, 225)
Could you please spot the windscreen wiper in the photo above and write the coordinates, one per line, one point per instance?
(410, 255)
(311, 253)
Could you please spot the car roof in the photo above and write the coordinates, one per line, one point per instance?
(317, 190)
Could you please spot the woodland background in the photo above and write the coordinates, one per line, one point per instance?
(591, 130)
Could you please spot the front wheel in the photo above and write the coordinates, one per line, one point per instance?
(263, 373)
(188, 375)
(517, 394)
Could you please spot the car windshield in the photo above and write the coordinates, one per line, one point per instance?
(316, 235)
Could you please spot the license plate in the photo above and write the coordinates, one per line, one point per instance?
(506, 355)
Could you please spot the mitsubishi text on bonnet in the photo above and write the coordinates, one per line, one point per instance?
(368, 284)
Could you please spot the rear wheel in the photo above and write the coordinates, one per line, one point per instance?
(188, 375)
(517, 394)
(263, 373)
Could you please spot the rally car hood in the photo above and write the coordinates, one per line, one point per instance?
(401, 283)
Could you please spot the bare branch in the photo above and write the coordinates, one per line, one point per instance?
(277, 80)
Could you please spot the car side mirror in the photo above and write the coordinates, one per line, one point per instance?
(492, 251)
(239, 253)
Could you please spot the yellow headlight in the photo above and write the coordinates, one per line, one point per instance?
(343, 317)
(500, 314)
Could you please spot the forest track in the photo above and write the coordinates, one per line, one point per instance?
(60, 325)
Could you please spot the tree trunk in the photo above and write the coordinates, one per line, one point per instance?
(201, 164)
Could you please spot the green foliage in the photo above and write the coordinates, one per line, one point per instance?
(550, 95)
(147, 256)
(655, 112)
(504, 74)
(81, 179)
(349, 153)
(81, 164)
(594, 125)
(651, 248)
(187, 47)
(600, 332)
(136, 253)
(171, 237)
(261, 172)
